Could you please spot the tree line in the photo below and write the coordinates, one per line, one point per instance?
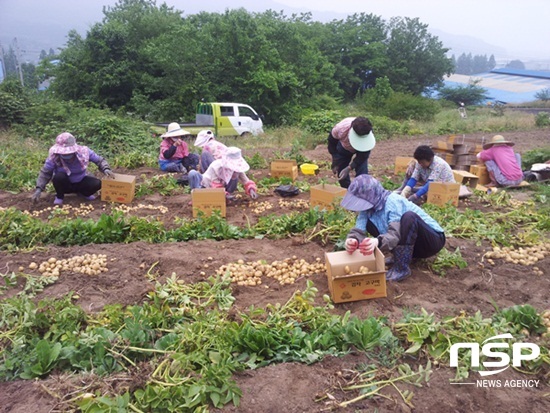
(150, 61)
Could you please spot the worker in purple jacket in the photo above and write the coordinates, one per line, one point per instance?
(66, 166)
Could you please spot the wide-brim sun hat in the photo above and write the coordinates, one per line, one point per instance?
(203, 137)
(353, 201)
(361, 143)
(496, 140)
(65, 143)
(174, 129)
(233, 159)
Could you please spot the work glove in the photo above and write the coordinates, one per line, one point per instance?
(345, 173)
(368, 246)
(108, 173)
(253, 194)
(351, 245)
(36, 196)
(406, 192)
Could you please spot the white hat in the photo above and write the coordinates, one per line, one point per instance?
(174, 129)
(361, 143)
(233, 159)
(203, 137)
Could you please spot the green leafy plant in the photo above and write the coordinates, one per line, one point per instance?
(45, 355)
(522, 317)
(446, 260)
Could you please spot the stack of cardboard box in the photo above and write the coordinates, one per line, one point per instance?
(460, 151)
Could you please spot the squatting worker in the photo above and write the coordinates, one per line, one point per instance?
(211, 148)
(226, 173)
(351, 136)
(503, 164)
(66, 166)
(428, 168)
(174, 153)
(395, 224)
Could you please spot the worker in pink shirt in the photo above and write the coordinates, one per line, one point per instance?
(503, 164)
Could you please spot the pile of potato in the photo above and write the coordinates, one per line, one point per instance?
(82, 210)
(286, 271)
(90, 264)
(523, 256)
(127, 208)
(294, 203)
(262, 207)
(362, 270)
(546, 320)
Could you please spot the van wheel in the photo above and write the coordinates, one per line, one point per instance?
(246, 135)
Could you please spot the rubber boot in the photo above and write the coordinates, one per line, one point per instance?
(402, 256)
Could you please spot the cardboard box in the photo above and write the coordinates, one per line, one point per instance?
(284, 168)
(461, 140)
(120, 189)
(325, 195)
(446, 156)
(401, 164)
(443, 146)
(466, 178)
(440, 193)
(354, 287)
(208, 200)
(481, 172)
(466, 159)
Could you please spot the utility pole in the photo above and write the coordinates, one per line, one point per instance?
(18, 62)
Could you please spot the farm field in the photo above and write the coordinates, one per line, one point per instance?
(136, 269)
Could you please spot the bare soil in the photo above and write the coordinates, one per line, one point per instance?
(292, 387)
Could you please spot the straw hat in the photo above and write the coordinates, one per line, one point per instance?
(203, 137)
(234, 160)
(174, 129)
(65, 143)
(497, 140)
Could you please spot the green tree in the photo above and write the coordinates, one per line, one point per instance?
(515, 64)
(472, 94)
(356, 47)
(543, 94)
(416, 59)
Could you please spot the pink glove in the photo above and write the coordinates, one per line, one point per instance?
(250, 186)
(351, 245)
(368, 245)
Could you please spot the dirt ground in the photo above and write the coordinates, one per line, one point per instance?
(292, 387)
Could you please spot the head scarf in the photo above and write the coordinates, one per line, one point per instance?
(65, 143)
(365, 193)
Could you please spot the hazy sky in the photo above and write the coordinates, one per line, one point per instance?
(520, 27)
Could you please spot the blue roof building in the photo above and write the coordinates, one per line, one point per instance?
(506, 85)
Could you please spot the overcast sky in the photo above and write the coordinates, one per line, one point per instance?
(520, 27)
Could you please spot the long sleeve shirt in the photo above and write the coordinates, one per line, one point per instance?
(73, 168)
(505, 158)
(216, 176)
(387, 220)
(217, 149)
(438, 171)
(171, 152)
